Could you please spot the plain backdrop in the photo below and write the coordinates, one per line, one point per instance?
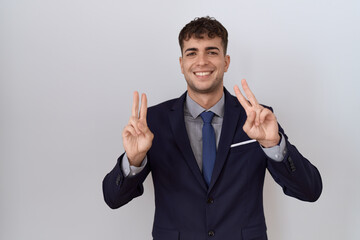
(68, 70)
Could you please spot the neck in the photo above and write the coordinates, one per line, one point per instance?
(206, 100)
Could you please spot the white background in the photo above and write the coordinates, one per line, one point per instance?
(68, 69)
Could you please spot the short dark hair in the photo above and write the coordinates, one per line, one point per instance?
(198, 27)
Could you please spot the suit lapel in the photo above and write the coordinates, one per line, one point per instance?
(177, 122)
(231, 116)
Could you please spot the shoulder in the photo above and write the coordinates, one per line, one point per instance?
(162, 107)
(158, 115)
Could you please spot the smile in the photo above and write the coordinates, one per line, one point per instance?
(201, 74)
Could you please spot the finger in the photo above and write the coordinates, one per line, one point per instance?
(143, 128)
(244, 103)
(133, 122)
(249, 121)
(257, 117)
(143, 108)
(129, 130)
(135, 105)
(266, 113)
(248, 93)
(146, 131)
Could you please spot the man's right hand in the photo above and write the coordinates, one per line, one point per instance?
(137, 137)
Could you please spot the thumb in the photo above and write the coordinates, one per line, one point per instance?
(143, 127)
(146, 131)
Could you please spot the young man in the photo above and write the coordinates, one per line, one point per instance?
(207, 151)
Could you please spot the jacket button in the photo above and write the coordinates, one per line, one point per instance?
(118, 179)
(210, 200)
(211, 233)
(291, 164)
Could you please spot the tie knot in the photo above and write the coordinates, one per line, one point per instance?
(207, 116)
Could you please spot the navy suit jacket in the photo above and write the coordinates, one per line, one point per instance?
(231, 208)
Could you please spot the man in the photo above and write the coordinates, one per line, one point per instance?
(207, 151)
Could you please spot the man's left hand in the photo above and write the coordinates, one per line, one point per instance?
(261, 123)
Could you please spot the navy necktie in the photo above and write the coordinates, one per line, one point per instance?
(209, 146)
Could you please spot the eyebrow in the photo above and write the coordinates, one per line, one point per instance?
(212, 48)
(191, 49)
(207, 49)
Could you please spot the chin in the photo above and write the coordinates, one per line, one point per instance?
(203, 89)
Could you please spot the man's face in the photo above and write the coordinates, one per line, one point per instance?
(203, 64)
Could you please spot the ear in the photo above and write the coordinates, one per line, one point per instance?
(227, 62)
(181, 66)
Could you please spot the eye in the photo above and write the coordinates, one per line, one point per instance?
(213, 53)
(191, 54)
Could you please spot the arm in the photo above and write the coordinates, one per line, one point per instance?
(119, 189)
(137, 140)
(295, 174)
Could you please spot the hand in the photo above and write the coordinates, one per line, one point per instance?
(261, 123)
(137, 137)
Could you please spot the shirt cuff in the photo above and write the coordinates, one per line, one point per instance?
(278, 152)
(129, 170)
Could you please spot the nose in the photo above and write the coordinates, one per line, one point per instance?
(202, 59)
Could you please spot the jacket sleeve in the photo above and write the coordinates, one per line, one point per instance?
(119, 190)
(296, 175)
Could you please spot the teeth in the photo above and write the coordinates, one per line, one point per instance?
(202, 73)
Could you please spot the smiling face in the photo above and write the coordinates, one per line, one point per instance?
(203, 64)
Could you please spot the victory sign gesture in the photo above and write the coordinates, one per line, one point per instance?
(261, 123)
(137, 137)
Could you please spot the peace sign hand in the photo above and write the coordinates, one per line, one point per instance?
(137, 137)
(261, 123)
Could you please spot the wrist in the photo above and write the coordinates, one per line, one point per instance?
(136, 160)
(271, 143)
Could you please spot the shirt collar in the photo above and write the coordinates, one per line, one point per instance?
(195, 109)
